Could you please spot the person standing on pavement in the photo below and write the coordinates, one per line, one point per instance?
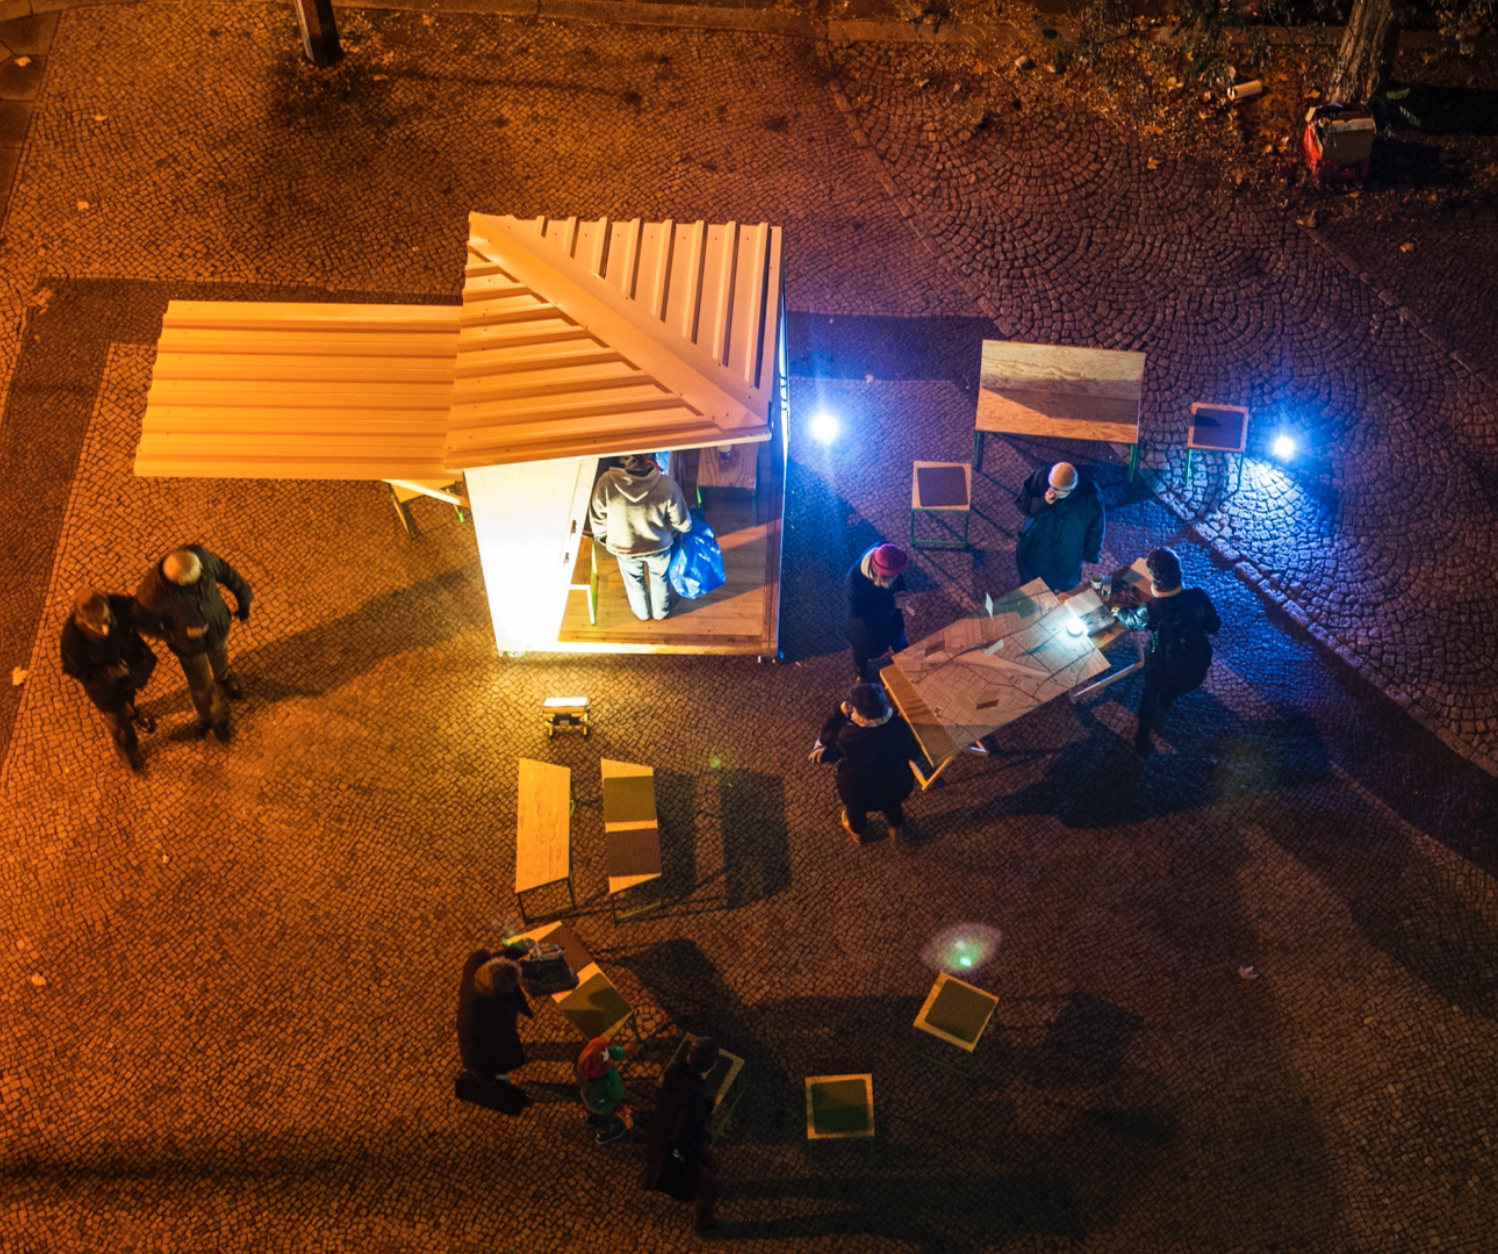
(636, 513)
(179, 602)
(874, 624)
(102, 650)
(873, 748)
(490, 1003)
(1064, 526)
(1176, 659)
(678, 1159)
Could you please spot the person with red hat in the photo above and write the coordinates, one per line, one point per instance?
(601, 1088)
(875, 625)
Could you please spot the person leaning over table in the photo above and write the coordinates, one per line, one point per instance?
(1178, 653)
(873, 748)
(1064, 526)
(490, 1003)
(636, 513)
(874, 624)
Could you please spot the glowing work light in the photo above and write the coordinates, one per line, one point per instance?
(1283, 447)
(824, 427)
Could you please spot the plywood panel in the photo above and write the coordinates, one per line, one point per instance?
(1071, 393)
(543, 844)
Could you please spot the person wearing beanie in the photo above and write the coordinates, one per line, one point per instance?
(636, 514)
(874, 624)
(1176, 659)
(873, 748)
(1064, 526)
(102, 650)
(601, 1088)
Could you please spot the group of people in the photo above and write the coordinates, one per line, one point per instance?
(678, 1153)
(104, 643)
(1065, 524)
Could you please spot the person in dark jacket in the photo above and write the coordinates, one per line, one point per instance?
(1184, 615)
(102, 650)
(1064, 526)
(678, 1160)
(873, 748)
(179, 602)
(490, 1003)
(874, 624)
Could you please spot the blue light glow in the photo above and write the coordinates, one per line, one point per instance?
(824, 427)
(1283, 447)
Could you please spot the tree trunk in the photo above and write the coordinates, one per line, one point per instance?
(1367, 52)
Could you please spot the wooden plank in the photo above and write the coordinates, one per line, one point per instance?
(734, 467)
(583, 379)
(259, 392)
(1053, 390)
(438, 344)
(543, 825)
(275, 316)
(1011, 417)
(494, 359)
(239, 368)
(630, 826)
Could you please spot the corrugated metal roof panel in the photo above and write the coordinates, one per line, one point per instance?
(283, 391)
(600, 337)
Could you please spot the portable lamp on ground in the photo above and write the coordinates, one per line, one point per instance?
(824, 427)
(1283, 447)
(564, 713)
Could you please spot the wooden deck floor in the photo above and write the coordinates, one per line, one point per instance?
(741, 617)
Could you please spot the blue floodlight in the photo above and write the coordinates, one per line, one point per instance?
(824, 427)
(1283, 447)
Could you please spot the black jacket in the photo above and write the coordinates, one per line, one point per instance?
(91, 659)
(677, 1138)
(873, 763)
(1057, 538)
(489, 1025)
(1193, 603)
(168, 611)
(874, 621)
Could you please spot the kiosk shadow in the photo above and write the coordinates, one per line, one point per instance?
(756, 840)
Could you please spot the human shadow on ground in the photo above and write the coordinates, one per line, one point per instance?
(313, 662)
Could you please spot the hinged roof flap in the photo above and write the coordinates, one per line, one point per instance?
(290, 391)
(596, 338)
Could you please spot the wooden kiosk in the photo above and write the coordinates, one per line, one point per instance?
(575, 342)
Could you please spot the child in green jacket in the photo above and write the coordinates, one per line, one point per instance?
(601, 1088)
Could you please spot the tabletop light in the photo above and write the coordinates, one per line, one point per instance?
(824, 427)
(562, 713)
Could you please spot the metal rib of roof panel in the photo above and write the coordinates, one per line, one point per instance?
(285, 391)
(602, 337)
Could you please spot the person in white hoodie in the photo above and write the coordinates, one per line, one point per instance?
(636, 514)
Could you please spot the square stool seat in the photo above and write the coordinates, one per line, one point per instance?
(957, 1013)
(840, 1108)
(1217, 429)
(941, 488)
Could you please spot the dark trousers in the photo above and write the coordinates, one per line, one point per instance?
(705, 1202)
(1153, 702)
(121, 729)
(858, 817)
(203, 671)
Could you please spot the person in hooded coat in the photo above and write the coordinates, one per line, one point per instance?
(875, 624)
(490, 1003)
(102, 650)
(678, 1158)
(873, 748)
(636, 513)
(1064, 526)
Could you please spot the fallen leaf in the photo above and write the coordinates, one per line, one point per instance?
(23, 62)
(1406, 248)
(18, 676)
(82, 205)
(39, 980)
(1153, 163)
(426, 19)
(1247, 973)
(1152, 129)
(101, 117)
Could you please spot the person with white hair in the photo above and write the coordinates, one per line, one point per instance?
(102, 650)
(1064, 526)
(178, 602)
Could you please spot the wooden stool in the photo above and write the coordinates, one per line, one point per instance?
(1217, 429)
(631, 831)
(957, 1013)
(543, 830)
(840, 1108)
(941, 488)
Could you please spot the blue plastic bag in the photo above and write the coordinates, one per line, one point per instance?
(696, 566)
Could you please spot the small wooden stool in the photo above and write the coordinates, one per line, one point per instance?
(941, 488)
(840, 1108)
(1217, 429)
(957, 1013)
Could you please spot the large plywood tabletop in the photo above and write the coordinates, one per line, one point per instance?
(543, 845)
(1071, 393)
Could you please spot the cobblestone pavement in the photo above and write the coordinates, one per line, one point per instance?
(228, 986)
